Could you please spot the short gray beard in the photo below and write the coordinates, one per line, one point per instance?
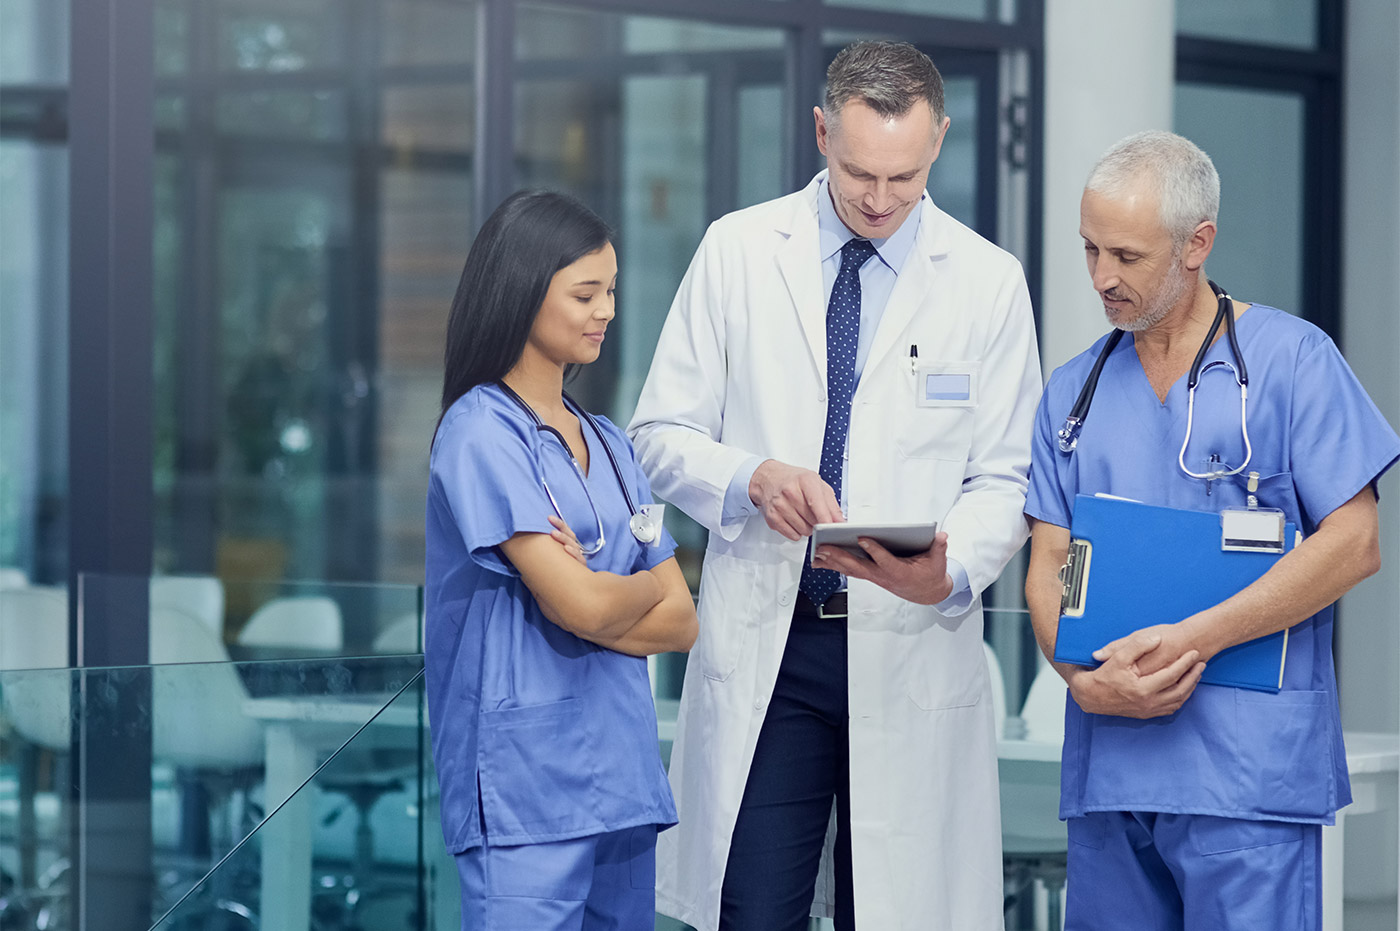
(1161, 303)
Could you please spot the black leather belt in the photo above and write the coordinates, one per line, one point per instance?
(834, 609)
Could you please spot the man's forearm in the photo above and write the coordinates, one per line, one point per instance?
(1344, 550)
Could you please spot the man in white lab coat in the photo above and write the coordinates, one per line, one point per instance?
(846, 350)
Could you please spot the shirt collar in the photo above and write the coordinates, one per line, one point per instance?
(833, 234)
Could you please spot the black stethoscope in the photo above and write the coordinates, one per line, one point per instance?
(645, 527)
(1069, 433)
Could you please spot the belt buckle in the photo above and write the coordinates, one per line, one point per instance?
(821, 613)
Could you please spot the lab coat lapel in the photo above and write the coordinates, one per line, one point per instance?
(800, 264)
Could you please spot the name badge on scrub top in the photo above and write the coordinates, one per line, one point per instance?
(946, 384)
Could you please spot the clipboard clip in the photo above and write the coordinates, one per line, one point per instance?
(1074, 578)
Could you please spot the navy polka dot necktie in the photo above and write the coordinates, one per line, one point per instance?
(842, 333)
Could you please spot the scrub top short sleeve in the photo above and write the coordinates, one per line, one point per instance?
(665, 548)
(1339, 440)
(1047, 499)
(492, 484)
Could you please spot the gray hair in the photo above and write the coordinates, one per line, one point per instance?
(889, 77)
(1182, 176)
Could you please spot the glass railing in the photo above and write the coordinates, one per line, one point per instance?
(127, 792)
(355, 845)
(36, 816)
(298, 793)
(253, 620)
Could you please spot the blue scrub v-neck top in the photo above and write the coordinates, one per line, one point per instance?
(1317, 440)
(538, 735)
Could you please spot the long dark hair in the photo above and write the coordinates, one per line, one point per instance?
(528, 238)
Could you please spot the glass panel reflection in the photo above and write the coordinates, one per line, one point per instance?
(662, 126)
(349, 838)
(1272, 22)
(34, 45)
(1259, 253)
(427, 32)
(36, 852)
(248, 620)
(313, 114)
(952, 182)
(33, 362)
(313, 206)
(281, 35)
(230, 745)
(996, 10)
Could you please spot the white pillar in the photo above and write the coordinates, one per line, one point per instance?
(1109, 72)
(1369, 634)
(1371, 337)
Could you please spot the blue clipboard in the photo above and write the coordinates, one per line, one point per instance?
(1133, 565)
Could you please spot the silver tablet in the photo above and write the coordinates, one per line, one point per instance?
(902, 539)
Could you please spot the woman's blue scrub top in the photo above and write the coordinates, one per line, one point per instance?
(553, 737)
(1317, 440)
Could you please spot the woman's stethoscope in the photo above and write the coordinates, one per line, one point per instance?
(1069, 433)
(645, 523)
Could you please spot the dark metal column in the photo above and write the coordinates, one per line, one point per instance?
(110, 429)
(806, 74)
(494, 155)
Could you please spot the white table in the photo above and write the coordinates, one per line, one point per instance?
(300, 732)
(1372, 759)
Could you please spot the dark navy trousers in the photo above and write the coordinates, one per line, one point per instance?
(800, 765)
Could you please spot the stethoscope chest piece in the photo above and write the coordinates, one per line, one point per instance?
(646, 523)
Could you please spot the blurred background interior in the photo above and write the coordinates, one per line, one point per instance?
(229, 234)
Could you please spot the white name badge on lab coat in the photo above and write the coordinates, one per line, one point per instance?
(946, 384)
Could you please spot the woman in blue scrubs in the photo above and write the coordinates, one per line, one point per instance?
(548, 583)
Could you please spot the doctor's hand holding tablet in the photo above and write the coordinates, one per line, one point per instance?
(796, 502)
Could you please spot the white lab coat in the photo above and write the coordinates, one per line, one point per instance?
(740, 369)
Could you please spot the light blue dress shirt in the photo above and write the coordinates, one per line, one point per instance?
(877, 280)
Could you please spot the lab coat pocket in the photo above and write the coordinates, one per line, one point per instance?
(1284, 745)
(936, 433)
(726, 603)
(945, 669)
(537, 771)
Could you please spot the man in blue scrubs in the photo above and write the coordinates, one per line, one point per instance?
(1200, 806)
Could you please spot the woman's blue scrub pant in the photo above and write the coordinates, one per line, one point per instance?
(1163, 872)
(605, 882)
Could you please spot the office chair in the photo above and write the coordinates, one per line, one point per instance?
(299, 622)
(404, 634)
(199, 728)
(199, 595)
